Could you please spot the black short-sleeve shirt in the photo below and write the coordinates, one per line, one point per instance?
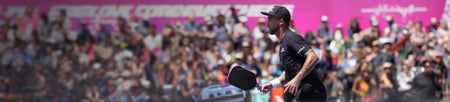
(292, 55)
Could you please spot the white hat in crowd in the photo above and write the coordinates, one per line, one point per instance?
(324, 18)
(243, 18)
(433, 20)
(389, 18)
(339, 25)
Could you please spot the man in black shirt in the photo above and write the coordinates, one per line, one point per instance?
(299, 77)
(425, 86)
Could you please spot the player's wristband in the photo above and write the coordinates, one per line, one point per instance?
(275, 83)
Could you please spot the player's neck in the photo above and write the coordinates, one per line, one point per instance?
(282, 33)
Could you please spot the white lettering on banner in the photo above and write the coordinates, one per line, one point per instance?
(385, 8)
(143, 11)
(446, 13)
(82, 11)
(15, 10)
(54, 11)
(147, 11)
(242, 9)
(192, 9)
(214, 9)
(94, 14)
(124, 10)
(172, 11)
(251, 10)
(89, 10)
(107, 11)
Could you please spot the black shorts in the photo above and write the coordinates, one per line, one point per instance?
(309, 92)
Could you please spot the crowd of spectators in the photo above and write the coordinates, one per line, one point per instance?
(48, 61)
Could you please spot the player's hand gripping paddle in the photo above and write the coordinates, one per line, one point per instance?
(242, 78)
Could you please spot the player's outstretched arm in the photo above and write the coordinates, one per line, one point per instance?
(274, 83)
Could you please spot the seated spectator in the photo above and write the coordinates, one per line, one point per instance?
(334, 86)
(404, 78)
(191, 27)
(253, 66)
(364, 86)
(388, 85)
(103, 35)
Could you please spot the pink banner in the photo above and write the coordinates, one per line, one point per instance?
(305, 13)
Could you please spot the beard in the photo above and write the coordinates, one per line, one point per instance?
(273, 30)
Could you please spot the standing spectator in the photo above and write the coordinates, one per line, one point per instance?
(221, 32)
(207, 34)
(372, 33)
(57, 35)
(324, 33)
(45, 27)
(153, 41)
(241, 32)
(26, 24)
(9, 29)
(418, 36)
(232, 19)
(66, 23)
(354, 27)
(5, 28)
(395, 33)
(409, 24)
(191, 27)
(433, 26)
(390, 21)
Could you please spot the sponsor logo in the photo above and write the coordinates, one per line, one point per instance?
(282, 50)
(385, 8)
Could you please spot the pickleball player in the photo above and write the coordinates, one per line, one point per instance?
(299, 78)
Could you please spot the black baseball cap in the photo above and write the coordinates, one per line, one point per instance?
(280, 12)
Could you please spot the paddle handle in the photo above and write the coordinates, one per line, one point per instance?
(258, 86)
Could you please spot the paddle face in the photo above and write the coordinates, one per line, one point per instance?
(242, 78)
